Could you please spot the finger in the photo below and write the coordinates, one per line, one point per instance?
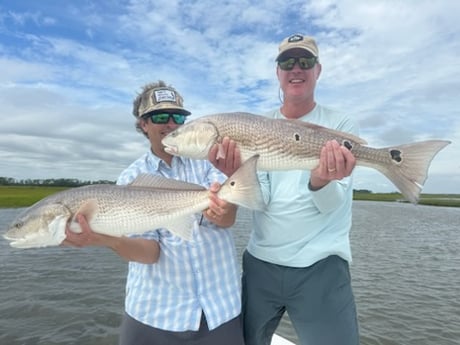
(350, 160)
(212, 155)
(330, 157)
(224, 148)
(230, 163)
(211, 214)
(215, 186)
(236, 157)
(223, 207)
(218, 206)
(225, 143)
(339, 158)
(213, 204)
(322, 165)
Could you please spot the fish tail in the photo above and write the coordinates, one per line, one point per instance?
(242, 188)
(409, 166)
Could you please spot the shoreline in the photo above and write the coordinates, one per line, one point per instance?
(25, 196)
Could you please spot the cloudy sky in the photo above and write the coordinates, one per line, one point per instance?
(70, 70)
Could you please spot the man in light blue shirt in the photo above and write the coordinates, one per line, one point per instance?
(177, 291)
(319, 221)
(298, 253)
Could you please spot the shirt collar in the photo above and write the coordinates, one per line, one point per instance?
(154, 161)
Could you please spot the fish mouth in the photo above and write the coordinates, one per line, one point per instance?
(9, 237)
(172, 150)
(17, 241)
(12, 235)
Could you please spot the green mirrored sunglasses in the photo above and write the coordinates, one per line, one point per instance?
(163, 118)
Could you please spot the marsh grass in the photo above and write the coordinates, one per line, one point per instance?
(449, 200)
(24, 196)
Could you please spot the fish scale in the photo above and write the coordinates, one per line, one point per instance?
(284, 144)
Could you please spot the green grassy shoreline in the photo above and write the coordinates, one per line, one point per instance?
(24, 196)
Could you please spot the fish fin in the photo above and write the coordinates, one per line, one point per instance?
(88, 209)
(242, 188)
(57, 229)
(182, 227)
(332, 132)
(164, 183)
(409, 166)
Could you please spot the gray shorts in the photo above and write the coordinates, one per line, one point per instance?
(318, 299)
(134, 332)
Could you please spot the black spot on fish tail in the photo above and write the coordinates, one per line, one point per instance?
(396, 155)
(347, 144)
(297, 137)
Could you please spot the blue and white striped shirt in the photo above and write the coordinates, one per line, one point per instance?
(190, 278)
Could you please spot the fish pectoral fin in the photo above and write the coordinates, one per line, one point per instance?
(88, 209)
(56, 229)
(182, 227)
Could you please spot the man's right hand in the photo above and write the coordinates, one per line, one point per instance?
(225, 156)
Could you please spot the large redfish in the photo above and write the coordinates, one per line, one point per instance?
(150, 202)
(293, 144)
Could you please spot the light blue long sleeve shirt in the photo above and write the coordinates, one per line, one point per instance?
(300, 227)
(190, 277)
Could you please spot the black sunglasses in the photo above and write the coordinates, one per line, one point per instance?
(304, 63)
(163, 118)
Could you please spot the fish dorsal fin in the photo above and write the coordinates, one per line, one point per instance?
(161, 182)
(333, 132)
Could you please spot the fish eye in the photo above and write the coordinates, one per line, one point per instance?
(18, 225)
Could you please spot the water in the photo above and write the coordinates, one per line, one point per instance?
(406, 280)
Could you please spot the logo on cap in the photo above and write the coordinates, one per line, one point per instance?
(295, 38)
(164, 95)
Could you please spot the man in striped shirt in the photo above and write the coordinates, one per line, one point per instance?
(177, 292)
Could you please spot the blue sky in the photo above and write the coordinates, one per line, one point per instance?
(70, 70)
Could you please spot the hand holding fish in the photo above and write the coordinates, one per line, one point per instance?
(219, 212)
(131, 249)
(86, 237)
(335, 163)
(225, 156)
